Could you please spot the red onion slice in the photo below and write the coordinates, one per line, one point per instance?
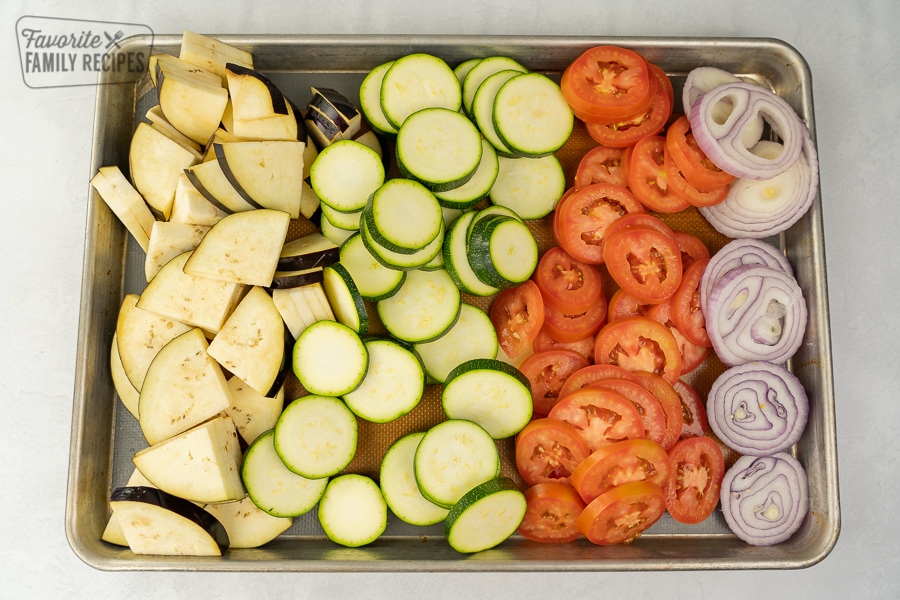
(737, 253)
(763, 208)
(757, 408)
(765, 499)
(727, 141)
(701, 80)
(755, 313)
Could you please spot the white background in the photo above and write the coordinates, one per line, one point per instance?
(853, 52)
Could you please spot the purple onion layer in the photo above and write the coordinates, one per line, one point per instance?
(758, 408)
(723, 118)
(765, 499)
(738, 253)
(755, 313)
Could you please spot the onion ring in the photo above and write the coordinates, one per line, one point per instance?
(757, 408)
(737, 253)
(765, 499)
(755, 313)
(726, 141)
(763, 208)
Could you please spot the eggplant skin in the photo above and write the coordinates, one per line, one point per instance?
(180, 506)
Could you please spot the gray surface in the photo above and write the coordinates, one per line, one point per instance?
(850, 49)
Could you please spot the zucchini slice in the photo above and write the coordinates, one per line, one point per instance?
(456, 258)
(472, 336)
(370, 100)
(330, 359)
(485, 516)
(531, 115)
(345, 174)
(502, 251)
(273, 487)
(352, 511)
(398, 484)
(316, 436)
(425, 307)
(486, 67)
(344, 298)
(393, 385)
(373, 280)
(490, 392)
(403, 216)
(530, 187)
(453, 457)
(478, 186)
(439, 148)
(418, 81)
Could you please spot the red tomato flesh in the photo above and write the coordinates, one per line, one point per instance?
(553, 509)
(622, 514)
(698, 467)
(621, 463)
(517, 314)
(548, 450)
(601, 416)
(548, 371)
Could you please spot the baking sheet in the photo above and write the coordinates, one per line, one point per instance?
(105, 436)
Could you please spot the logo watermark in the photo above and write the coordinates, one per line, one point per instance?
(71, 52)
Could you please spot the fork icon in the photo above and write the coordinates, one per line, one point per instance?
(113, 40)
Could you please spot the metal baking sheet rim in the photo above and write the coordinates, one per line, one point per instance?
(103, 272)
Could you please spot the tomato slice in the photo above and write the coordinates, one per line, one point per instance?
(583, 347)
(650, 410)
(593, 373)
(608, 82)
(622, 514)
(601, 164)
(547, 371)
(567, 285)
(693, 410)
(583, 216)
(567, 327)
(625, 132)
(602, 416)
(693, 163)
(621, 463)
(683, 188)
(622, 304)
(549, 450)
(639, 344)
(671, 404)
(640, 218)
(698, 467)
(686, 313)
(644, 262)
(646, 168)
(518, 315)
(692, 249)
(553, 509)
(692, 355)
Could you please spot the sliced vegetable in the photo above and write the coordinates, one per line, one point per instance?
(547, 371)
(763, 208)
(485, 516)
(352, 510)
(393, 383)
(726, 141)
(454, 457)
(756, 313)
(397, 479)
(489, 392)
(553, 509)
(758, 408)
(692, 492)
(316, 436)
(617, 464)
(549, 450)
(621, 514)
(273, 487)
(765, 499)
